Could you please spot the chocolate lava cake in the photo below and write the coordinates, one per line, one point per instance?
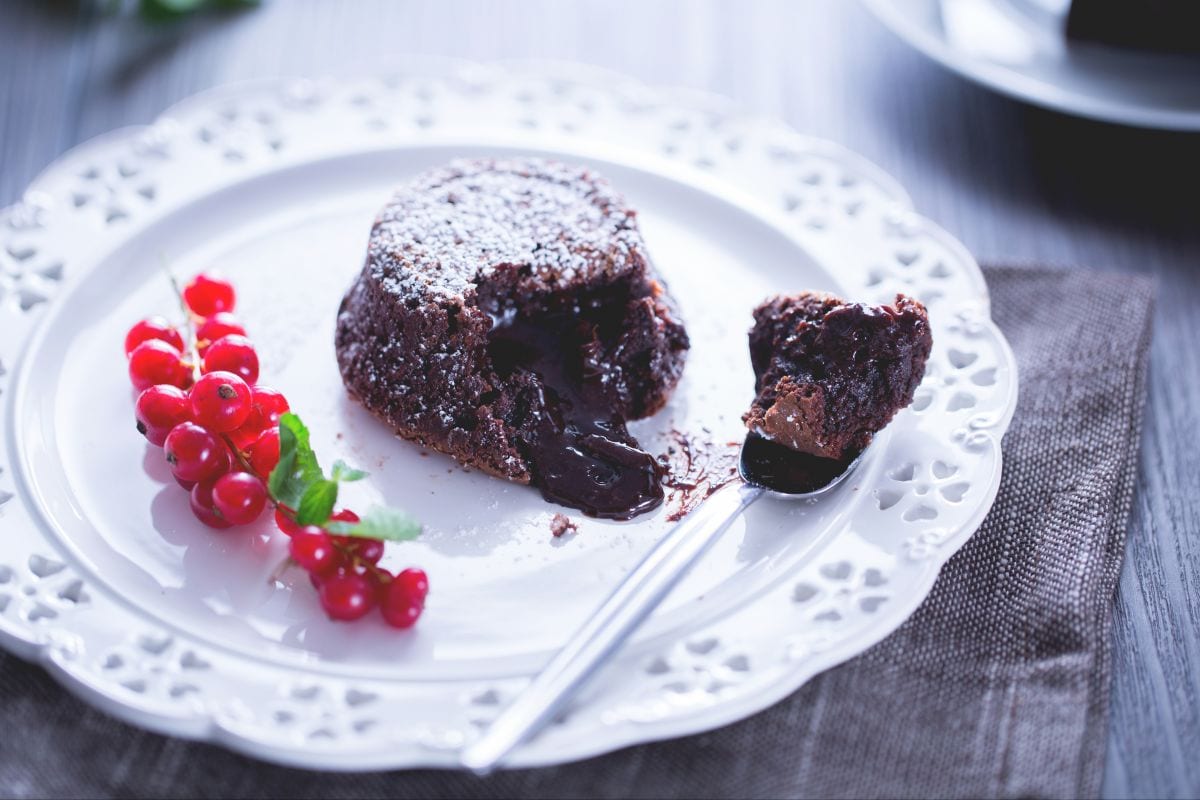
(509, 316)
(831, 374)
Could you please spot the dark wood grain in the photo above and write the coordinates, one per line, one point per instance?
(1013, 183)
(38, 49)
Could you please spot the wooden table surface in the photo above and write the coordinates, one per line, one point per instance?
(1013, 183)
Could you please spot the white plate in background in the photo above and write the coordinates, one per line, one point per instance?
(1019, 48)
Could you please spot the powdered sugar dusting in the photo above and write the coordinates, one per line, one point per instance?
(446, 230)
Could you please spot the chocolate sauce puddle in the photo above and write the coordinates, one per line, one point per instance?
(696, 467)
(581, 453)
(785, 470)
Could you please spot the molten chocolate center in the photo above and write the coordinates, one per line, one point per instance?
(581, 453)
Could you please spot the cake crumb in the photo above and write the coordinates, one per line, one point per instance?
(561, 524)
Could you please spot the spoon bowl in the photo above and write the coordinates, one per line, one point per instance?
(787, 474)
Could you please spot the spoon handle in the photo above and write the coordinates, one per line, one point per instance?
(606, 630)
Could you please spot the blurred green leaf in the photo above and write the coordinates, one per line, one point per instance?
(170, 8)
(157, 10)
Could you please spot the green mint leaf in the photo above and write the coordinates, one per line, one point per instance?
(281, 483)
(345, 473)
(297, 469)
(317, 503)
(388, 524)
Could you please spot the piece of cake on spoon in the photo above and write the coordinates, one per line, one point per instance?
(831, 374)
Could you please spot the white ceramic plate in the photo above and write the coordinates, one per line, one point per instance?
(1019, 48)
(107, 580)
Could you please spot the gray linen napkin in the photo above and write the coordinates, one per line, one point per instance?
(997, 687)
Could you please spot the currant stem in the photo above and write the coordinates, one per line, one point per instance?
(243, 463)
(191, 345)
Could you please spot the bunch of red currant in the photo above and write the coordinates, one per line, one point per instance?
(201, 402)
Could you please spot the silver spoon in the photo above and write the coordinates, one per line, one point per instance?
(765, 468)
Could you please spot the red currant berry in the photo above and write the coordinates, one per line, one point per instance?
(247, 434)
(264, 452)
(152, 328)
(154, 361)
(340, 571)
(220, 401)
(400, 607)
(207, 295)
(271, 403)
(232, 353)
(186, 485)
(286, 522)
(220, 324)
(414, 581)
(347, 597)
(267, 407)
(313, 550)
(368, 551)
(159, 409)
(203, 506)
(240, 497)
(195, 453)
